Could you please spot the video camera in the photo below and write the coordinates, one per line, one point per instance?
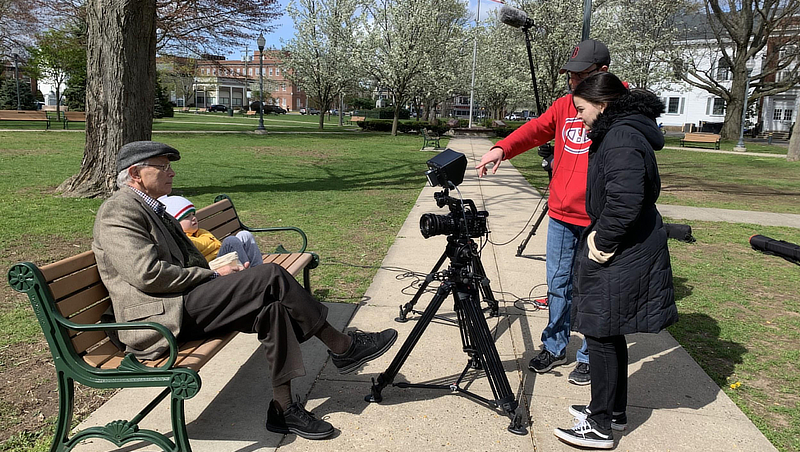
(446, 170)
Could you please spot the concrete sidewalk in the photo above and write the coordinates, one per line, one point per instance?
(673, 404)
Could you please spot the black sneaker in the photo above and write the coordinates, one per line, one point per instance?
(585, 433)
(365, 347)
(580, 376)
(545, 361)
(619, 421)
(298, 421)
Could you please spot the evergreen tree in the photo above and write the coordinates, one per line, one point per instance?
(8, 96)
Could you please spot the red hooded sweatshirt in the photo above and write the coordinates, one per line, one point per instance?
(567, 200)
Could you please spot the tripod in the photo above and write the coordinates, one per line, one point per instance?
(464, 278)
(524, 243)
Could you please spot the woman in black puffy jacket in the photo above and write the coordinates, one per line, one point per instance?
(622, 273)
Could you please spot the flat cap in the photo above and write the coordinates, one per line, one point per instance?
(138, 151)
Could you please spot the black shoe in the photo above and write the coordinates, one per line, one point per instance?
(619, 421)
(545, 361)
(580, 376)
(364, 347)
(585, 433)
(295, 419)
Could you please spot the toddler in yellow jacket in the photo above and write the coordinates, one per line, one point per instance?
(243, 242)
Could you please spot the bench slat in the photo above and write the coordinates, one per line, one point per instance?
(193, 354)
(212, 209)
(225, 230)
(103, 354)
(299, 263)
(81, 300)
(91, 315)
(74, 282)
(66, 266)
(87, 340)
(214, 222)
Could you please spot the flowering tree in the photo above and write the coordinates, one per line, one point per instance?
(640, 35)
(402, 36)
(319, 58)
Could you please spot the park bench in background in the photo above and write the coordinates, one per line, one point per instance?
(355, 119)
(251, 113)
(201, 110)
(69, 299)
(711, 138)
(430, 138)
(25, 115)
(73, 116)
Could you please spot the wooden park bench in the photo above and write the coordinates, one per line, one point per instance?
(711, 138)
(201, 110)
(430, 138)
(73, 116)
(251, 113)
(355, 119)
(25, 115)
(69, 298)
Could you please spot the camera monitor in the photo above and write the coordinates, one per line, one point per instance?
(446, 168)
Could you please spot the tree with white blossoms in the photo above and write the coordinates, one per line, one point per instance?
(640, 35)
(319, 58)
(729, 35)
(558, 29)
(503, 74)
(446, 69)
(400, 37)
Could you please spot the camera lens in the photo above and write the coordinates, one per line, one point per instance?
(432, 224)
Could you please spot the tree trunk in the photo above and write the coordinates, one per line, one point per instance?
(120, 89)
(733, 110)
(794, 143)
(396, 119)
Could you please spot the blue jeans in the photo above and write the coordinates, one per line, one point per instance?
(245, 246)
(562, 242)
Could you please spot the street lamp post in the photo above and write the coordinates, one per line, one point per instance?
(740, 145)
(261, 42)
(16, 75)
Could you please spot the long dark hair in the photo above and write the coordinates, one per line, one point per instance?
(601, 87)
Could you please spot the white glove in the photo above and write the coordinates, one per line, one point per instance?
(601, 257)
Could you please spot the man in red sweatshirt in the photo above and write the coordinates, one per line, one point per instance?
(567, 201)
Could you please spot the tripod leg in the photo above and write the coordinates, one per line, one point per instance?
(387, 376)
(406, 308)
(479, 332)
(486, 290)
(524, 243)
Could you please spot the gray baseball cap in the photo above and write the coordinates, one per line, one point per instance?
(585, 54)
(137, 151)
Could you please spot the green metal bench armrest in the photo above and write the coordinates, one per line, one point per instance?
(173, 343)
(272, 229)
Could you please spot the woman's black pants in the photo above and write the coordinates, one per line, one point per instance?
(608, 366)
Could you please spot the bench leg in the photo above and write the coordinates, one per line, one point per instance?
(179, 425)
(307, 279)
(66, 405)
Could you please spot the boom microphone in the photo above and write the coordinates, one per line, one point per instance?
(515, 17)
(786, 250)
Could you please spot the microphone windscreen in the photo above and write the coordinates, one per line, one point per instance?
(513, 16)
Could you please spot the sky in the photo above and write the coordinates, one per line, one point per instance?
(285, 27)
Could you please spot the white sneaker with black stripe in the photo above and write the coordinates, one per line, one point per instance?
(585, 434)
(619, 421)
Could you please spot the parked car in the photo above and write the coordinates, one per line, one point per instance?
(309, 111)
(218, 107)
(274, 109)
(516, 116)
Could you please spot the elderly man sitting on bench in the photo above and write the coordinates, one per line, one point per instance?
(154, 273)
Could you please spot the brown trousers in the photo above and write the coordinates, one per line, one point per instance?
(265, 300)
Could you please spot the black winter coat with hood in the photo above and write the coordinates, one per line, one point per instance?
(631, 292)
